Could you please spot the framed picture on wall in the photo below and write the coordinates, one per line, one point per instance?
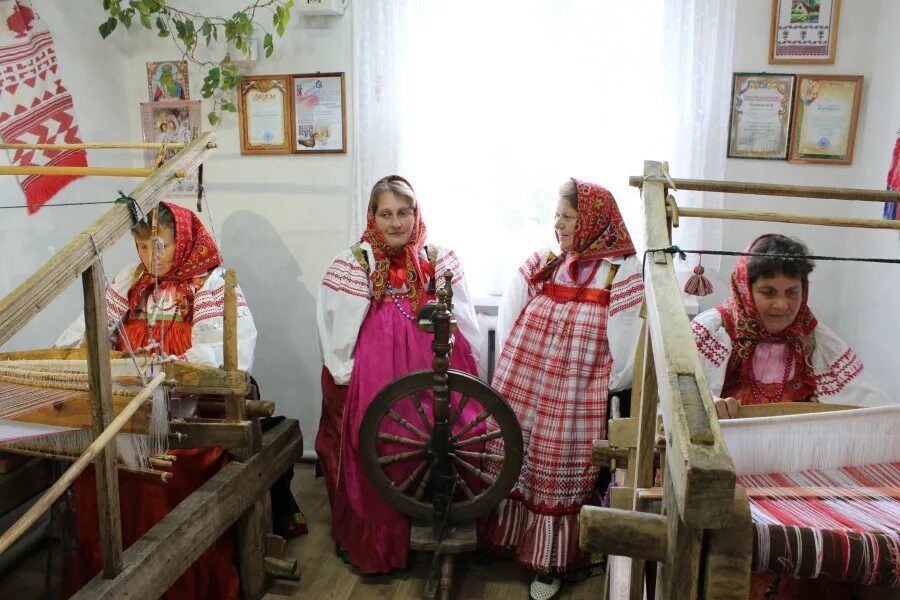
(320, 119)
(168, 80)
(171, 122)
(264, 113)
(804, 31)
(825, 115)
(761, 105)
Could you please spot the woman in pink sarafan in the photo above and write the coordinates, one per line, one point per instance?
(568, 326)
(368, 336)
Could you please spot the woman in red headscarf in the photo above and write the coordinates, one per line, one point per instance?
(764, 345)
(368, 336)
(172, 301)
(568, 326)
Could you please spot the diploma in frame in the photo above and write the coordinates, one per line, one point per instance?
(761, 105)
(264, 107)
(320, 118)
(825, 115)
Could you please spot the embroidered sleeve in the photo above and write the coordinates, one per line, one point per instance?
(709, 347)
(342, 306)
(840, 372)
(535, 263)
(347, 276)
(448, 260)
(626, 293)
(207, 332)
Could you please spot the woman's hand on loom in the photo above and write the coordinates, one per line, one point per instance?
(726, 408)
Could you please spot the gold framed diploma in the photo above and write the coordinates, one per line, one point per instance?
(320, 119)
(804, 31)
(761, 105)
(825, 115)
(264, 107)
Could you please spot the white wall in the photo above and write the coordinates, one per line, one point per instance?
(279, 220)
(853, 299)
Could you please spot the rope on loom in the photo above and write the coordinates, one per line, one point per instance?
(682, 254)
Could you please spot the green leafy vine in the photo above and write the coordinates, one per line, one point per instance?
(188, 30)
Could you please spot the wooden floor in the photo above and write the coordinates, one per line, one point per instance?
(324, 576)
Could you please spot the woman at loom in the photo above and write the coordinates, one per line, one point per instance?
(173, 301)
(572, 324)
(368, 336)
(764, 344)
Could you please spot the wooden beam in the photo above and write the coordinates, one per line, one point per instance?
(77, 413)
(703, 476)
(93, 146)
(622, 533)
(27, 300)
(623, 433)
(208, 433)
(774, 217)
(83, 171)
(87, 457)
(100, 384)
(156, 560)
(777, 409)
(255, 409)
(602, 454)
(770, 189)
(729, 554)
(190, 378)
(678, 577)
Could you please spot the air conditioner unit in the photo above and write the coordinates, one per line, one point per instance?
(313, 8)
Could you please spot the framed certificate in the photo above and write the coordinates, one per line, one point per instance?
(264, 107)
(804, 31)
(761, 105)
(320, 120)
(824, 120)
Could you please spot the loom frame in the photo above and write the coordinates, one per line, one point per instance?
(238, 493)
(701, 538)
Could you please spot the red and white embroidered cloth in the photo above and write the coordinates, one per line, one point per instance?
(852, 534)
(35, 107)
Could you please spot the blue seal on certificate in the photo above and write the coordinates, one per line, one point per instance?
(823, 143)
(268, 137)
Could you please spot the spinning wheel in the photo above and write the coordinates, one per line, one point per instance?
(443, 448)
(422, 443)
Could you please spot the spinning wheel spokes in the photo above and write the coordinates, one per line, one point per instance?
(483, 478)
(414, 398)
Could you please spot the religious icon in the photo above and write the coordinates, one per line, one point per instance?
(168, 80)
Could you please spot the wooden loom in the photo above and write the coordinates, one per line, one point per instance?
(236, 494)
(702, 541)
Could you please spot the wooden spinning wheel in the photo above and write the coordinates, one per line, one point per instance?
(440, 445)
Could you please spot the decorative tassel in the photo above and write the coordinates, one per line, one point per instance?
(697, 284)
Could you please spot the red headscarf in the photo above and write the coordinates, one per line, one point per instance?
(745, 328)
(407, 259)
(195, 255)
(600, 232)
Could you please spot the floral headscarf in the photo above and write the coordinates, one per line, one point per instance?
(195, 254)
(385, 255)
(745, 328)
(600, 232)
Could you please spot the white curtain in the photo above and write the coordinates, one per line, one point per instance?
(488, 108)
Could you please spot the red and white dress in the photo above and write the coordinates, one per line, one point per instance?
(565, 347)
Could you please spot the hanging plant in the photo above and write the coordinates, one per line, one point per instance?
(188, 30)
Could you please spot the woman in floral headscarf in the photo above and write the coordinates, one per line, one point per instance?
(368, 336)
(172, 302)
(569, 326)
(764, 345)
